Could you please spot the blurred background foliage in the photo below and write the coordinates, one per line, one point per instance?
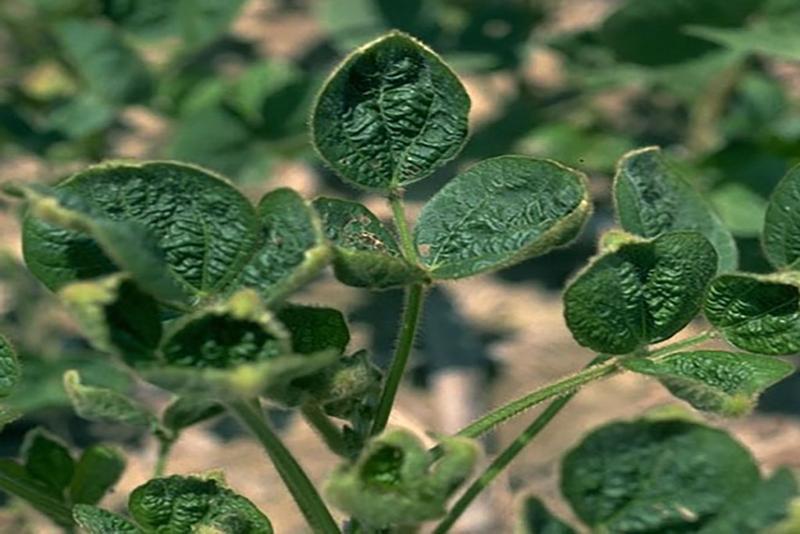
(228, 85)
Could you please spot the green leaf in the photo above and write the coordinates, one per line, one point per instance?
(650, 32)
(773, 37)
(107, 65)
(315, 329)
(48, 460)
(98, 469)
(390, 114)
(14, 479)
(95, 520)
(194, 504)
(116, 316)
(535, 518)
(715, 381)
(366, 253)
(184, 412)
(291, 249)
(84, 115)
(343, 385)
(652, 198)
(103, 404)
(759, 313)
(639, 293)
(655, 476)
(499, 212)
(202, 228)
(10, 371)
(395, 480)
(765, 505)
(782, 222)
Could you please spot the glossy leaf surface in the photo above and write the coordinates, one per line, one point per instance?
(640, 292)
(390, 114)
(499, 212)
(722, 382)
(652, 198)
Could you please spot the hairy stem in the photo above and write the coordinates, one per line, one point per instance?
(328, 431)
(415, 297)
(680, 345)
(403, 231)
(503, 459)
(308, 500)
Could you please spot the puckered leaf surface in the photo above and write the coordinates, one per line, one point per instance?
(782, 222)
(366, 253)
(652, 198)
(716, 381)
(391, 114)
(640, 292)
(759, 313)
(499, 212)
(10, 370)
(655, 476)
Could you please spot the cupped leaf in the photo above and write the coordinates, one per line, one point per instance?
(10, 371)
(313, 329)
(395, 481)
(194, 504)
(104, 404)
(366, 253)
(390, 114)
(722, 382)
(290, 250)
(499, 212)
(782, 222)
(116, 316)
(652, 198)
(95, 520)
(655, 476)
(204, 228)
(535, 518)
(48, 460)
(96, 472)
(640, 293)
(759, 313)
(651, 32)
(764, 506)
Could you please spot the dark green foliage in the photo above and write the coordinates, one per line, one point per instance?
(782, 223)
(639, 292)
(314, 329)
(535, 518)
(390, 115)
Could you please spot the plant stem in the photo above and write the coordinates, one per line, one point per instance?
(330, 433)
(164, 448)
(680, 345)
(403, 231)
(29, 491)
(502, 460)
(564, 386)
(308, 500)
(415, 297)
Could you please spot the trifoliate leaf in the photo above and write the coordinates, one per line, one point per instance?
(655, 476)
(395, 480)
(48, 460)
(759, 313)
(782, 222)
(95, 520)
(535, 518)
(722, 382)
(314, 329)
(390, 114)
(652, 198)
(116, 316)
(291, 249)
(499, 212)
(103, 404)
(193, 504)
(640, 293)
(96, 472)
(366, 253)
(10, 371)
